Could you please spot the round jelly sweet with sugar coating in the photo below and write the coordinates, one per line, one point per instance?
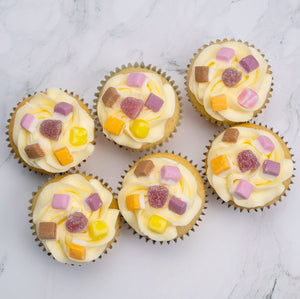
(157, 195)
(231, 77)
(140, 128)
(77, 223)
(51, 128)
(247, 161)
(132, 107)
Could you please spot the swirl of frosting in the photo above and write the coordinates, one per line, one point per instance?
(41, 106)
(265, 187)
(79, 188)
(186, 188)
(157, 121)
(258, 80)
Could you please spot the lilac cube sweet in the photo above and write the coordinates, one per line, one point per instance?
(243, 189)
(270, 167)
(29, 122)
(61, 201)
(248, 98)
(132, 107)
(154, 102)
(136, 80)
(248, 64)
(225, 54)
(63, 108)
(94, 201)
(169, 175)
(264, 144)
(177, 206)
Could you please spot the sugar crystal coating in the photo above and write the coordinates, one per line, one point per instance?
(247, 161)
(51, 128)
(231, 77)
(132, 107)
(157, 196)
(77, 223)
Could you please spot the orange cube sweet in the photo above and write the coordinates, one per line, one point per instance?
(63, 156)
(77, 251)
(219, 102)
(114, 125)
(220, 164)
(134, 202)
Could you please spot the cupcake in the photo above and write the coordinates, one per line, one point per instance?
(75, 217)
(229, 82)
(249, 166)
(51, 131)
(138, 107)
(162, 197)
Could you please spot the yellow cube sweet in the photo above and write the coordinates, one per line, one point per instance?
(157, 224)
(114, 125)
(133, 202)
(220, 164)
(63, 156)
(77, 251)
(140, 128)
(98, 230)
(219, 102)
(78, 136)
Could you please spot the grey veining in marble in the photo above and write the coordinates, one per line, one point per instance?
(73, 45)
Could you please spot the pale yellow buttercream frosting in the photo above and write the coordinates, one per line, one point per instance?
(185, 188)
(265, 188)
(157, 120)
(258, 80)
(79, 188)
(41, 105)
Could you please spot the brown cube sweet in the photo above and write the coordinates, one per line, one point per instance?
(110, 96)
(144, 168)
(34, 151)
(47, 230)
(201, 74)
(231, 135)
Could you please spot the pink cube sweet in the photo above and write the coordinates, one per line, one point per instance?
(225, 54)
(154, 102)
(61, 201)
(264, 144)
(248, 98)
(243, 189)
(29, 122)
(177, 206)
(132, 107)
(136, 80)
(94, 201)
(169, 175)
(248, 64)
(63, 108)
(271, 168)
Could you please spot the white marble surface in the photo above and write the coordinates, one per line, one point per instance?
(72, 45)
